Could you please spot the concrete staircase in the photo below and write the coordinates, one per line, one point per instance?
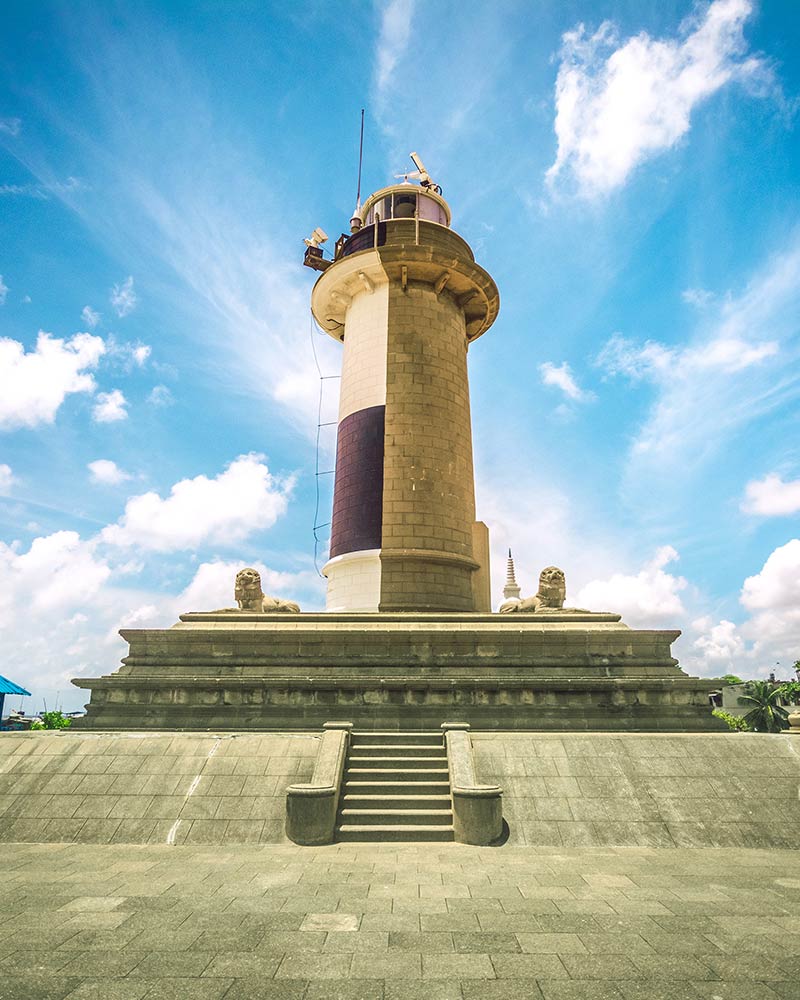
(396, 786)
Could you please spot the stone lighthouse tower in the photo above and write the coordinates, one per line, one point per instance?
(406, 298)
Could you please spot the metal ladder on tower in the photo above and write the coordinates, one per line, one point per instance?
(396, 787)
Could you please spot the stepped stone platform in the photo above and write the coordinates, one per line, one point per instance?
(548, 671)
(560, 790)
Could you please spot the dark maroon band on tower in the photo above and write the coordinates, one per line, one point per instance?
(358, 488)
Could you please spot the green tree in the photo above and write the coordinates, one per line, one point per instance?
(732, 679)
(766, 714)
(52, 720)
(735, 722)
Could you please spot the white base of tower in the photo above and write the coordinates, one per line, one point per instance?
(354, 581)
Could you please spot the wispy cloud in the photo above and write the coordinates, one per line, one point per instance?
(697, 297)
(395, 30)
(43, 190)
(561, 377)
(90, 317)
(3, 291)
(11, 126)
(123, 297)
(621, 102)
(725, 377)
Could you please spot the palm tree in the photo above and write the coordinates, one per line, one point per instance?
(766, 713)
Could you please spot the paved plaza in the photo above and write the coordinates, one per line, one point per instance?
(439, 922)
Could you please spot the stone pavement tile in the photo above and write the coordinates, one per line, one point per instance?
(167, 964)
(745, 966)
(226, 939)
(400, 905)
(387, 965)
(550, 944)
(501, 989)
(449, 922)
(354, 989)
(430, 989)
(509, 922)
(401, 922)
(666, 943)
(330, 922)
(583, 989)
(617, 943)
(671, 967)
(535, 906)
(92, 903)
(570, 923)
(109, 989)
(96, 964)
(745, 991)
(160, 939)
(37, 986)
(240, 964)
(343, 942)
(188, 989)
(91, 940)
(266, 921)
(528, 967)
(424, 942)
(600, 967)
(459, 966)
(652, 990)
(277, 941)
(260, 989)
(467, 941)
(306, 965)
(23, 959)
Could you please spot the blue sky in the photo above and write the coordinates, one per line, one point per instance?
(626, 171)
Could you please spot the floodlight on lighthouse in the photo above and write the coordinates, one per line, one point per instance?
(317, 237)
(425, 178)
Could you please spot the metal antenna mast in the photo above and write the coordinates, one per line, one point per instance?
(360, 158)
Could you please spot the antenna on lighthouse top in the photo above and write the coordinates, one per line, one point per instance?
(355, 222)
(425, 178)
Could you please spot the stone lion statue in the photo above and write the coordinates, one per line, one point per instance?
(550, 596)
(250, 597)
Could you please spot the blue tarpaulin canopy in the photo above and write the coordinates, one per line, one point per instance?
(9, 687)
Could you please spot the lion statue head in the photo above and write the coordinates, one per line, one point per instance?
(552, 587)
(247, 591)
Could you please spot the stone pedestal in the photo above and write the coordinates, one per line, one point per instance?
(548, 671)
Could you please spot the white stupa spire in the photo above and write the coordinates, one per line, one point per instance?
(511, 590)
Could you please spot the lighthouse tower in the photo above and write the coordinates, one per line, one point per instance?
(406, 298)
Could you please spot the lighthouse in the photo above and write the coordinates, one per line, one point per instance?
(406, 299)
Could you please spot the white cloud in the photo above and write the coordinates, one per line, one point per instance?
(697, 297)
(562, 378)
(160, 395)
(720, 646)
(104, 471)
(772, 497)
(90, 317)
(110, 407)
(6, 478)
(3, 291)
(58, 572)
(33, 386)
(392, 41)
(243, 499)
(123, 298)
(649, 596)
(127, 354)
(11, 126)
(777, 585)
(619, 103)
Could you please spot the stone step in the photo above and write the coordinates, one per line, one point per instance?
(382, 800)
(384, 817)
(393, 761)
(407, 738)
(394, 788)
(397, 774)
(403, 832)
(398, 750)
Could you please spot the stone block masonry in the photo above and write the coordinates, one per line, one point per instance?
(560, 790)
